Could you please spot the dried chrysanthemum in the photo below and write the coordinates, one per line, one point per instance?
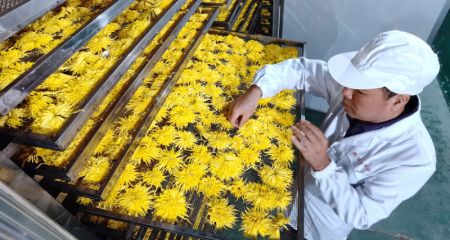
(52, 119)
(276, 176)
(286, 120)
(281, 154)
(165, 136)
(98, 44)
(219, 140)
(181, 116)
(278, 223)
(226, 166)
(185, 139)
(14, 119)
(256, 222)
(263, 196)
(136, 200)
(84, 201)
(126, 124)
(38, 102)
(170, 160)
(40, 154)
(146, 152)
(220, 214)
(128, 175)
(190, 177)
(171, 205)
(283, 199)
(95, 170)
(155, 177)
(285, 100)
(237, 188)
(249, 156)
(105, 143)
(200, 155)
(211, 186)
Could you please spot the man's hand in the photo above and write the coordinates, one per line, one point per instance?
(312, 143)
(244, 106)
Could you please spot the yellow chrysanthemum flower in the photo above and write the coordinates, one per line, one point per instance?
(226, 166)
(256, 222)
(128, 175)
(136, 200)
(200, 155)
(95, 170)
(220, 214)
(211, 186)
(185, 139)
(276, 176)
(170, 161)
(190, 177)
(155, 177)
(171, 205)
(281, 154)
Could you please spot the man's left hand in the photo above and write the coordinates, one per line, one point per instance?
(312, 143)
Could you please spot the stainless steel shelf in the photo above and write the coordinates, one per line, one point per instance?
(72, 168)
(68, 132)
(119, 164)
(185, 228)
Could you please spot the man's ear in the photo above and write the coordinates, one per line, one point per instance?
(400, 100)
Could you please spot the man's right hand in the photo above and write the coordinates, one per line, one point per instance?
(244, 106)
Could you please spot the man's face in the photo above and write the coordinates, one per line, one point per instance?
(369, 105)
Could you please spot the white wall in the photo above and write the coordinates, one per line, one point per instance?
(334, 26)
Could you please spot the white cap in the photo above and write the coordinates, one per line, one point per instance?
(397, 60)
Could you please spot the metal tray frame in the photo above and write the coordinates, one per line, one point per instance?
(182, 229)
(247, 12)
(232, 17)
(253, 22)
(260, 25)
(72, 168)
(70, 128)
(165, 227)
(114, 173)
(18, 18)
(263, 39)
(300, 97)
(16, 92)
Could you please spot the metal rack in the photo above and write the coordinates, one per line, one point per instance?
(277, 17)
(70, 170)
(264, 23)
(250, 17)
(67, 133)
(16, 14)
(185, 228)
(254, 17)
(232, 16)
(16, 92)
(68, 173)
(144, 123)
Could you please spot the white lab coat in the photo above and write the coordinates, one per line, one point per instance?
(370, 173)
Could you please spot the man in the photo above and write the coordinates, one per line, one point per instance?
(372, 151)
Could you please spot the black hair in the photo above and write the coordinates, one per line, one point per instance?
(388, 93)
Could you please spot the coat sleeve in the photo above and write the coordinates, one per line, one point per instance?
(373, 200)
(297, 73)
